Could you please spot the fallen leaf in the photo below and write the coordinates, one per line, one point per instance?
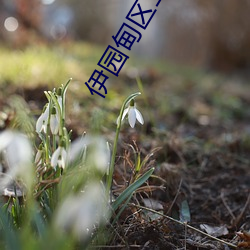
(215, 231)
(245, 236)
(153, 204)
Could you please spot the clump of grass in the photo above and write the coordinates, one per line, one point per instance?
(36, 65)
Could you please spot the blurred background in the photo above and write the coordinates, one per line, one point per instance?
(212, 34)
(194, 53)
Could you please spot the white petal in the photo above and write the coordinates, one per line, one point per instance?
(19, 151)
(61, 163)
(125, 112)
(5, 139)
(46, 113)
(101, 155)
(132, 117)
(59, 99)
(139, 116)
(77, 148)
(19, 158)
(39, 123)
(78, 214)
(63, 158)
(117, 120)
(54, 124)
(44, 127)
(55, 156)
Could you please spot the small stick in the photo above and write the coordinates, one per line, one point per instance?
(227, 207)
(117, 246)
(239, 217)
(184, 224)
(175, 198)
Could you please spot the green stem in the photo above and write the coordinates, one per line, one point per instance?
(112, 164)
(65, 87)
(54, 142)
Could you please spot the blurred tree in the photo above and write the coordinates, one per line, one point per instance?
(27, 18)
(211, 33)
(229, 31)
(92, 19)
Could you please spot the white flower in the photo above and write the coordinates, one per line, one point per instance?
(98, 152)
(17, 152)
(133, 114)
(59, 99)
(54, 121)
(42, 122)
(59, 157)
(79, 214)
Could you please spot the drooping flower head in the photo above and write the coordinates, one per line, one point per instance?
(54, 121)
(16, 150)
(59, 97)
(80, 214)
(59, 157)
(42, 122)
(133, 114)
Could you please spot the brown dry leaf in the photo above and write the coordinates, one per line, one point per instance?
(245, 236)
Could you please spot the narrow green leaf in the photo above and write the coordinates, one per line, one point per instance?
(10, 236)
(39, 222)
(128, 191)
(122, 209)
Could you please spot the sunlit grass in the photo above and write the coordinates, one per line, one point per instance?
(46, 65)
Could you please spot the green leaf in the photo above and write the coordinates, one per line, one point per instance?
(128, 191)
(122, 209)
(39, 222)
(10, 236)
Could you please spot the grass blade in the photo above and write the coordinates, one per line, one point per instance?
(128, 191)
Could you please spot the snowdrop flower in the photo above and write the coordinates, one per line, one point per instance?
(54, 121)
(17, 152)
(59, 99)
(42, 122)
(59, 157)
(98, 152)
(133, 114)
(79, 214)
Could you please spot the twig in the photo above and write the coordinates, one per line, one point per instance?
(227, 207)
(239, 217)
(185, 242)
(117, 246)
(184, 224)
(175, 198)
